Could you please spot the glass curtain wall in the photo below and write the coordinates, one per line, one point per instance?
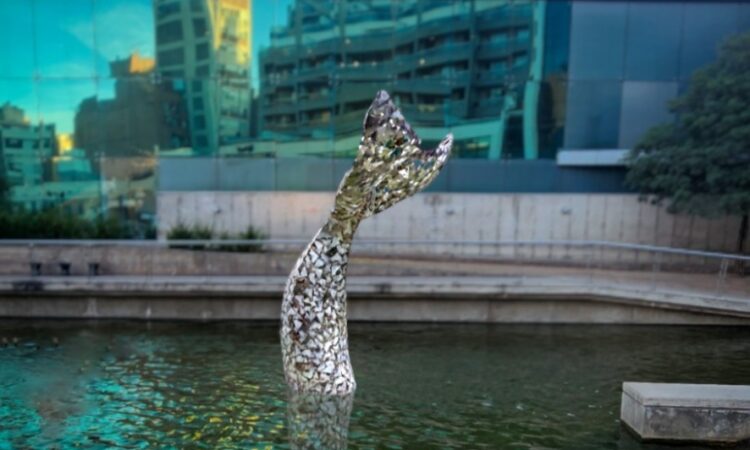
(103, 103)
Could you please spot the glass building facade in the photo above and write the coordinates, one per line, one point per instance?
(104, 103)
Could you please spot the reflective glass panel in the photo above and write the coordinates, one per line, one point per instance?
(17, 40)
(653, 40)
(122, 29)
(557, 38)
(26, 144)
(597, 40)
(744, 17)
(251, 83)
(550, 116)
(644, 105)
(129, 192)
(64, 40)
(706, 26)
(593, 114)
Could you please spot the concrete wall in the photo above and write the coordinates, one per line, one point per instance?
(456, 216)
(187, 307)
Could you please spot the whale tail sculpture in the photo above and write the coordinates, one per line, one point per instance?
(389, 167)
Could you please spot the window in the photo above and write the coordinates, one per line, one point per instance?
(167, 9)
(199, 27)
(169, 32)
(13, 143)
(513, 139)
(199, 122)
(178, 85)
(171, 73)
(171, 57)
(202, 71)
(201, 51)
(198, 103)
(471, 148)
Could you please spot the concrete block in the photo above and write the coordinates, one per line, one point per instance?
(705, 413)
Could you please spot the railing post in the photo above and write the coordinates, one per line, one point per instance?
(87, 260)
(722, 276)
(589, 249)
(152, 251)
(31, 258)
(655, 268)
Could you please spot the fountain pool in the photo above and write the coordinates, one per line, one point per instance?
(220, 385)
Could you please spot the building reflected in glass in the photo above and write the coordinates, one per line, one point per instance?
(144, 115)
(203, 49)
(103, 103)
(475, 67)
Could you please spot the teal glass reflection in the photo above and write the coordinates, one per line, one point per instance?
(17, 40)
(706, 25)
(593, 114)
(654, 40)
(459, 66)
(129, 191)
(64, 43)
(643, 105)
(122, 28)
(597, 40)
(248, 84)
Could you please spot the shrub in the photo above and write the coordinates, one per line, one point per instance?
(55, 223)
(201, 232)
(251, 233)
(189, 232)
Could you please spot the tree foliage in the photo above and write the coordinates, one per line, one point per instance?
(700, 163)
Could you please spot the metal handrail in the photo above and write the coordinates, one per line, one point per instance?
(373, 242)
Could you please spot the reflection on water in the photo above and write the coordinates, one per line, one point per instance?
(318, 421)
(164, 385)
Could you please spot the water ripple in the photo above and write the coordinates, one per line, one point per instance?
(219, 385)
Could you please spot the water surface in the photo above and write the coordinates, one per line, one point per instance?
(219, 385)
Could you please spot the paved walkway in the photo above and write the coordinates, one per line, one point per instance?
(175, 274)
(706, 284)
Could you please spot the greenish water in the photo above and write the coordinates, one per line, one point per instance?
(219, 385)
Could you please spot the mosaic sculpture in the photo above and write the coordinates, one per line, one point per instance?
(389, 167)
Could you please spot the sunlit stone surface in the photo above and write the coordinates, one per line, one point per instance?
(389, 167)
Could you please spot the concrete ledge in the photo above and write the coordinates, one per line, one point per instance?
(433, 299)
(705, 413)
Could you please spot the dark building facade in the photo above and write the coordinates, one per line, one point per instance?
(205, 44)
(146, 114)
